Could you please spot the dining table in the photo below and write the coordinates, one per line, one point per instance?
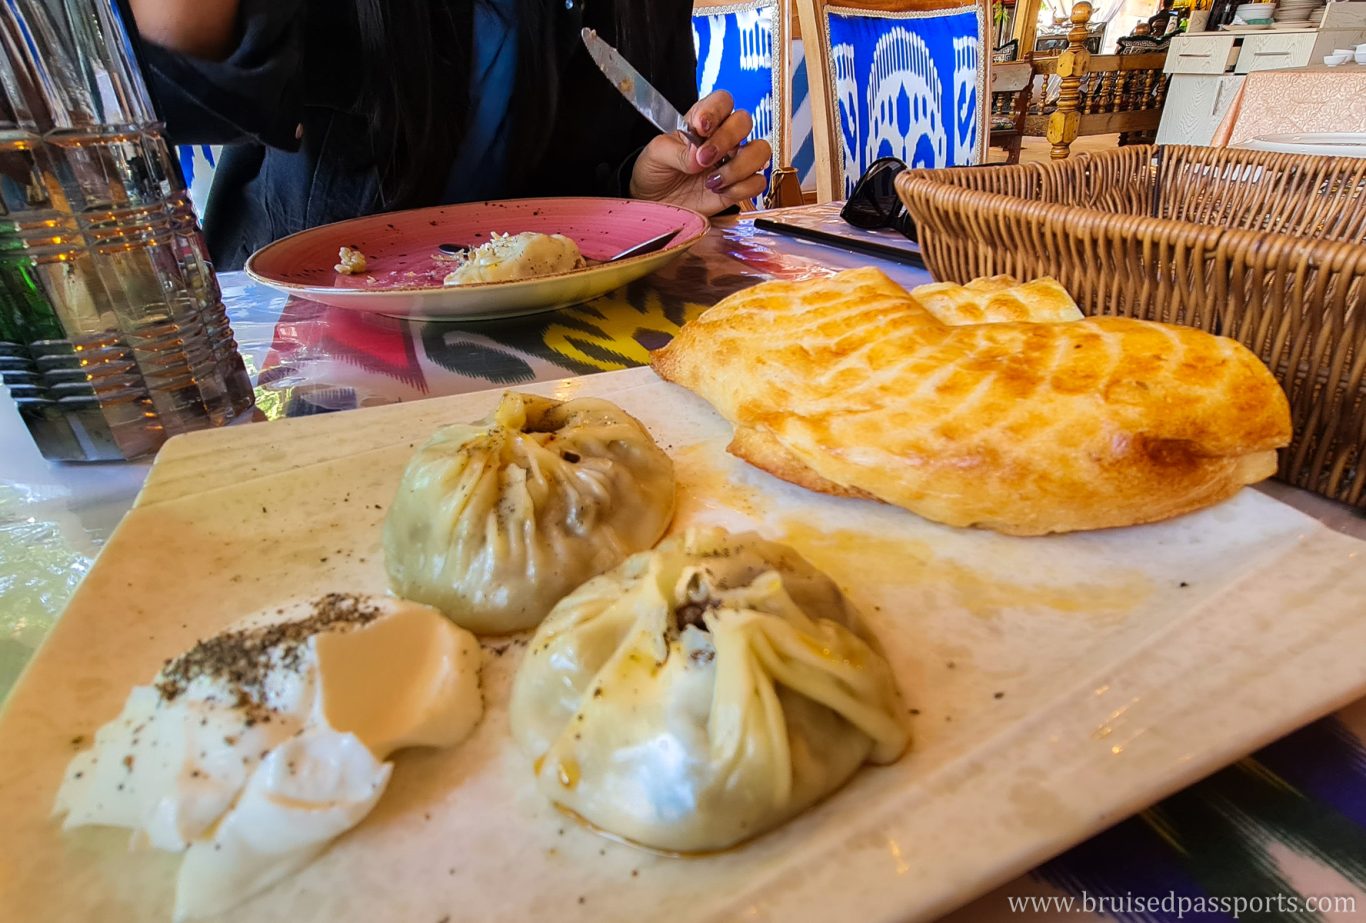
(1308, 100)
(1286, 824)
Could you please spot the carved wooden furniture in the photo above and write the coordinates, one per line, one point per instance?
(1010, 84)
(1099, 94)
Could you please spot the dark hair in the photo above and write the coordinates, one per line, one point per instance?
(415, 88)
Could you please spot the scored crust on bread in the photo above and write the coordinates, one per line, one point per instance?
(996, 299)
(850, 385)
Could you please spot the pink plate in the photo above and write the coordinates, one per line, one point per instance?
(405, 268)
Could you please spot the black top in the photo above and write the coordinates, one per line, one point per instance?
(294, 70)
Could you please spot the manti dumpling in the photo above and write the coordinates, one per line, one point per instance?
(702, 693)
(494, 521)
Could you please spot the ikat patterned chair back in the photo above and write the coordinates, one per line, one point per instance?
(743, 47)
(895, 79)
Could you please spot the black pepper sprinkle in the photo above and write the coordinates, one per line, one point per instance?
(635, 872)
(998, 695)
(582, 900)
(915, 711)
(244, 657)
(1184, 584)
(78, 775)
(952, 664)
(78, 740)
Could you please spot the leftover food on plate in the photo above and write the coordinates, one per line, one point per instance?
(253, 750)
(510, 257)
(350, 261)
(850, 385)
(494, 521)
(702, 693)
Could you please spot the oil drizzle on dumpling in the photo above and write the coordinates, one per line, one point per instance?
(702, 693)
(493, 522)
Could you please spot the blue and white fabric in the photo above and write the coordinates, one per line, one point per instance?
(197, 163)
(735, 53)
(908, 85)
(802, 145)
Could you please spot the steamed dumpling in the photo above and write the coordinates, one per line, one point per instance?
(495, 521)
(702, 693)
(509, 257)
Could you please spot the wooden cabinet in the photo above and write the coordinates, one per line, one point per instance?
(1195, 105)
(1202, 88)
(1206, 53)
(1275, 50)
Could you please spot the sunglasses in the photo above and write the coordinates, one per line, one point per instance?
(874, 203)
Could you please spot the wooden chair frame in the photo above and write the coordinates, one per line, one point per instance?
(815, 30)
(1010, 87)
(1117, 83)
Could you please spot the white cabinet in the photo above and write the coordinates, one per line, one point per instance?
(1201, 88)
(1205, 53)
(1273, 51)
(1194, 107)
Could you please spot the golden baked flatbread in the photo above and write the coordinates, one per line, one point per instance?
(996, 299)
(848, 385)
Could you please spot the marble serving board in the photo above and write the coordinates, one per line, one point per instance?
(1054, 685)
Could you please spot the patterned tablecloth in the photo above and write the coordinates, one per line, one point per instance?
(1281, 835)
(1295, 100)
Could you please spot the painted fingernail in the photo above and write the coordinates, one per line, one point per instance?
(704, 124)
(707, 154)
(714, 182)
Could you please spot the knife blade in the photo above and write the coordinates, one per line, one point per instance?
(638, 91)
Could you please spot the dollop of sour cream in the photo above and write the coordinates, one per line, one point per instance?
(250, 752)
(508, 257)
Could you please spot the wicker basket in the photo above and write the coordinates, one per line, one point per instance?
(1265, 248)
